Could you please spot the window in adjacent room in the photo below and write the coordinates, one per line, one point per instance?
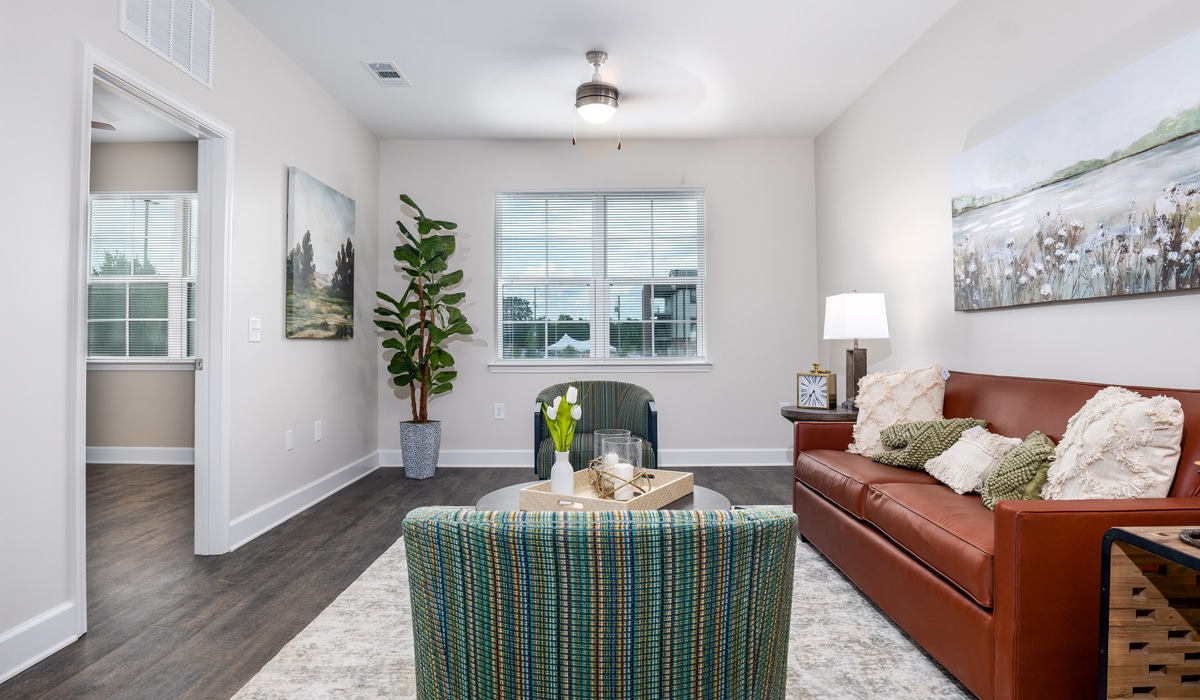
(141, 301)
(605, 276)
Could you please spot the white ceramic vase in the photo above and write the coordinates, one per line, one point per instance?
(562, 476)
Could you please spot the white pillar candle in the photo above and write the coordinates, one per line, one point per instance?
(624, 471)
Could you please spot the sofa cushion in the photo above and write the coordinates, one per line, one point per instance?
(953, 535)
(887, 398)
(1119, 445)
(915, 443)
(843, 478)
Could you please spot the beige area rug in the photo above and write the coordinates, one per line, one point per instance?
(841, 645)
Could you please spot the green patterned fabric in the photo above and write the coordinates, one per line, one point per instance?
(914, 444)
(1021, 474)
(616, 604)
(605, 404)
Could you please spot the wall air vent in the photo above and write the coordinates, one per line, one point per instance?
(181, 31)
(387, 73)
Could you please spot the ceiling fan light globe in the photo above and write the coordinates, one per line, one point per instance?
(596, 112)
(596, 102)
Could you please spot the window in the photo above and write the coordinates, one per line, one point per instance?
(602, 276)
(141, 276)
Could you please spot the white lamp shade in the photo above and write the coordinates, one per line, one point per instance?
(855, 316)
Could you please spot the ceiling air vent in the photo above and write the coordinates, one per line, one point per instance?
(387, 73)
(178, 30)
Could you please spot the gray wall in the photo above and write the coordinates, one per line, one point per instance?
(279, 117)
(761, 288)
(883, 193)
(150, 408)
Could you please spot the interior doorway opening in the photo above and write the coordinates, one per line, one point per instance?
(206, 333)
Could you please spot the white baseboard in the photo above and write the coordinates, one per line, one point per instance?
(141, 455)
(744, 457)
(246, 527)
(27, 644)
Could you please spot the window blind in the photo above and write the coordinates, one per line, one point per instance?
(141, 276)
(605, 275)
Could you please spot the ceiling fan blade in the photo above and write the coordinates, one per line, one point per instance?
(104, 126)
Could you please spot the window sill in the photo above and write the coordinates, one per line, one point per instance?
(140, 366)
(597, 367)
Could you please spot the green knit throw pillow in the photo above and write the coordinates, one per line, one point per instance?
(914, 444)
(1021, 474)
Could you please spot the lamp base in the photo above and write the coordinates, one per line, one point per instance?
(856, 369)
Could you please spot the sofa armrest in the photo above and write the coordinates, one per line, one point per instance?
(1047, 568)
(823, 435)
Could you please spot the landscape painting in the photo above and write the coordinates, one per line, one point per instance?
(1097, 196)
(320, 259)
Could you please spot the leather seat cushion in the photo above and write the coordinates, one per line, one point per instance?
(844, 478)
(952, 534)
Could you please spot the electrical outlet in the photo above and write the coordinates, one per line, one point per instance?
(498, 411)
(317, 431)
(288, 440)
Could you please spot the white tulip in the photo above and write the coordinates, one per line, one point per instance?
(552, 413)
(576, 412)
(572, 395)
(557, 401)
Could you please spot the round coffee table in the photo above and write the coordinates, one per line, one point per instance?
(700, 499)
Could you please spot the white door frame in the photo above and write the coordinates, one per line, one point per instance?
(215, 230)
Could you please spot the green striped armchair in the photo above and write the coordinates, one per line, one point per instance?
(616, 604)
(605, 404)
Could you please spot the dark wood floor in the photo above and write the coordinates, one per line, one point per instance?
(164, 623)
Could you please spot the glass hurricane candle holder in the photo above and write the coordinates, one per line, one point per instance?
(621, 461)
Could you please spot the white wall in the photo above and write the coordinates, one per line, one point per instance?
(280, 118)
(141, 408)
(761, 294)
(883, 194)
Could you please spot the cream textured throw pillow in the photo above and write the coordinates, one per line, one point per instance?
(1119, 445)
(887, 398)
(967, 463)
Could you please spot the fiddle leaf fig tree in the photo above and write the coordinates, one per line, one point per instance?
(426, 317)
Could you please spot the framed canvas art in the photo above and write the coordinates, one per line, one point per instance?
(320, 259)
(1097, 196)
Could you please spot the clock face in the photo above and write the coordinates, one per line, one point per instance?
(814, 391)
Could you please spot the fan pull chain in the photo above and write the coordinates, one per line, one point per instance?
(574, 123)
(618, 129)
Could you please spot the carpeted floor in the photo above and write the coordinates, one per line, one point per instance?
(841, 646)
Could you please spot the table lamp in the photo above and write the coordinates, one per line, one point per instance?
(854, 316)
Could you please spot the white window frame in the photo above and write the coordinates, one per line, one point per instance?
(601, 301)
(177, 355)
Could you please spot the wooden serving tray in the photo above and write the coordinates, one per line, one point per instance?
(668, 487)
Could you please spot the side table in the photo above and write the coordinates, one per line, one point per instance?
(1149, 614)
(835, 415)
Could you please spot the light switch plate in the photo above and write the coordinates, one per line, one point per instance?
(254, 330)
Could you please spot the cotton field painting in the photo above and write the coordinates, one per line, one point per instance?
(1097, 196)
(320, 259)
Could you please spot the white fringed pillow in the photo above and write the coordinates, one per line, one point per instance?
(1119, 445)
(887, 398)
(966, 465)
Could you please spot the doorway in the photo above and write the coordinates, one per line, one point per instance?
(208, 334)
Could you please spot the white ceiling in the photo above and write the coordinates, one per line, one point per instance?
(132, 122)
(694, 69)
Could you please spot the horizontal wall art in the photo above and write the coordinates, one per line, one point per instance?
(320, 259)
(1097, 196)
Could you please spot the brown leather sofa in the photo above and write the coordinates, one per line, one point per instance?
(1009, 602)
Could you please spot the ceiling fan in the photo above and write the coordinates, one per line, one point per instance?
(596, 100)
(103, 126)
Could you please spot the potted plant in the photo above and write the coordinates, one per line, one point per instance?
(417, 327)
